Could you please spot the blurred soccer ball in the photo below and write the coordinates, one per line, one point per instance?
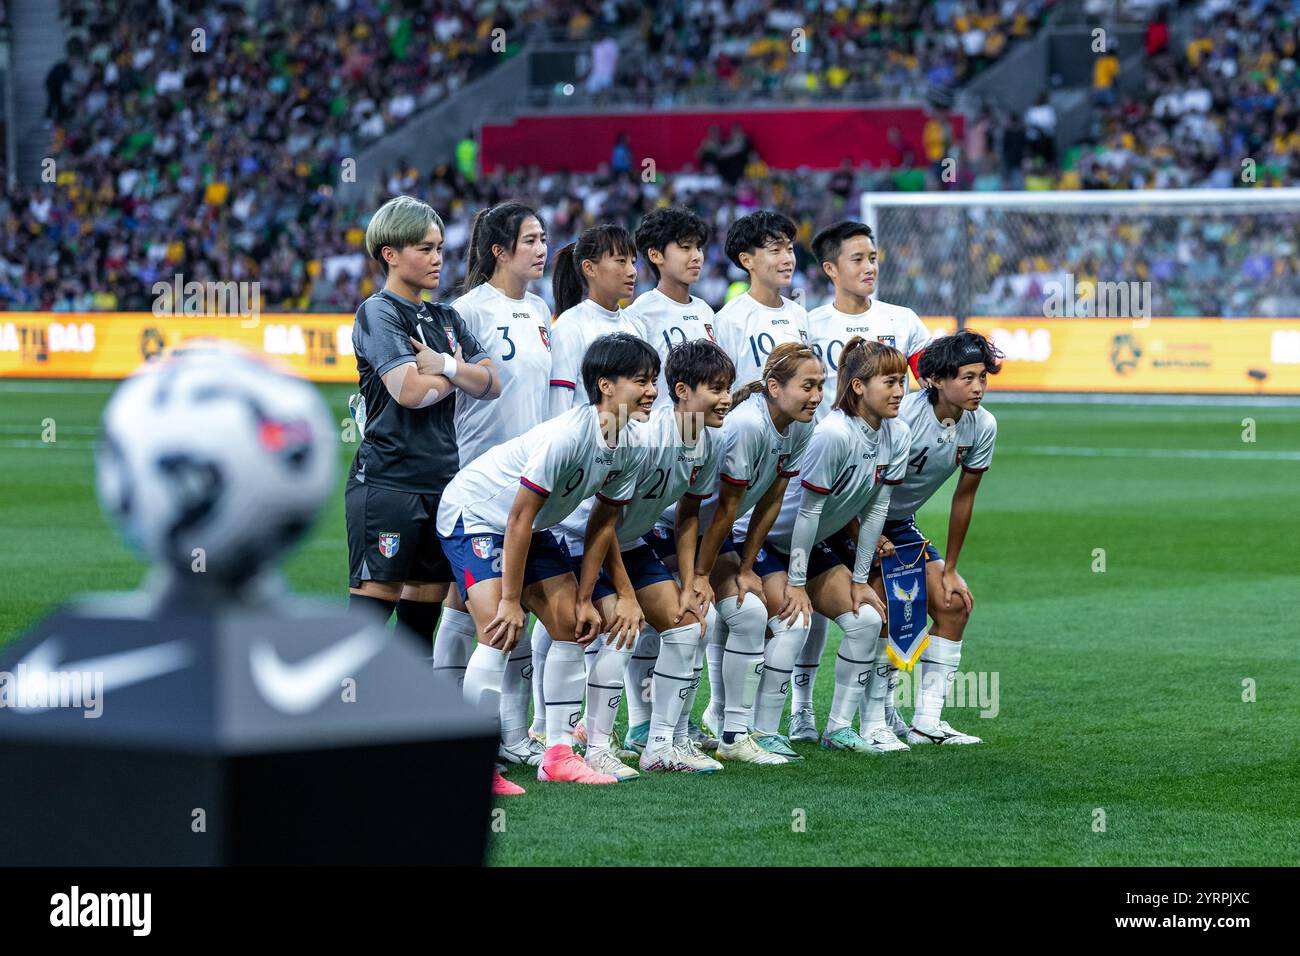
(212, 462)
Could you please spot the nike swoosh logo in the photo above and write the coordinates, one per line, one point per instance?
(304, 686)
(119, 670)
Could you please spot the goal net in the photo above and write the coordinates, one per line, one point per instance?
(1120, 254)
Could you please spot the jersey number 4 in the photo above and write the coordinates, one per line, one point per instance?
(918, 461)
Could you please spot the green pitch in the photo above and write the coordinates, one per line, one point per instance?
(1119, 691)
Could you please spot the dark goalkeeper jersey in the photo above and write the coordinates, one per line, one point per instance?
(405, 449)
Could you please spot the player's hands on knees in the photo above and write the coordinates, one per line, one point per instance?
(696, 598)
(884, 548)
(588, 622)
(797, 604)
(504, 630)
(865, 594)
(748, 582)
(626, 625)
(955, 589)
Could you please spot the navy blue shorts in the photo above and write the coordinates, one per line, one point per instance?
(904, 531)
(837, 551)
(643, 565)
(477, 557)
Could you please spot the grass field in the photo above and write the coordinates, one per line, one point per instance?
(1120, 691)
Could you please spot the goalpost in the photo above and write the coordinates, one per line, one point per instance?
(1118, 253)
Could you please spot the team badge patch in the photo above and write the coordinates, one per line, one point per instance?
(708, 330)
(482, 547)
(451, 338)
(389, 542)
(780, 463)
(962, 452)
(545, 333)
(886, 340)
(695, 472)
(880, 473)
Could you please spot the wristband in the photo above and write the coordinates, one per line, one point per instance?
(448, 366)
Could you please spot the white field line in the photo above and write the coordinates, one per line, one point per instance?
(1067, 451)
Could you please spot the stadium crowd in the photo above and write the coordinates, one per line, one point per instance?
(223, 168)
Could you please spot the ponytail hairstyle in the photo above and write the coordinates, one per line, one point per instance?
(567, 283)
(782, 362)
(864, 360)
(944, 357)
(498, 226)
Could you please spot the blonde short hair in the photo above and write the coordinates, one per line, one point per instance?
(402, 221)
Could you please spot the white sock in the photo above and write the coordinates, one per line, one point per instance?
(891, 698)
(516, 689)
(873, 707)
(938, 668)
(604, 691)
(564, 678)
(541, 640)
(805, 666)
(683, 729)
(742, 663)
(453, 644)
(483, 676)
(853, 665)
(714, 654)
(778, 664)
(588, 661)
(674, 673)
(639, 678)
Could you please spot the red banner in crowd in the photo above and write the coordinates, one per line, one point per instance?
(785, 138)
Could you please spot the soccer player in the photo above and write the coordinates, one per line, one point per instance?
(751, 325)
(494, 523)
(591, 276)
(764, 438)
(950, 429)
(683, 455)
(671, 241)
(848, 255)
(411, 355)
(507, 250)
(857, 452)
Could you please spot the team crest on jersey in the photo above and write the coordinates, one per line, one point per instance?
(695, 472)
(389, 542)
(452, 343)
(482, 547)
(880, 473)
(962, 452)
(708, 330)
(545, 333)
(886, 340)
(780, 463)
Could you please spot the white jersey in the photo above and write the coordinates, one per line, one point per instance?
(516, 333)
(937, 449)
(754, 454)
(830, 329)
(666, 322)
(571, 335)
(748, 331)
(669, 470)
(847, 461)
(564, 459)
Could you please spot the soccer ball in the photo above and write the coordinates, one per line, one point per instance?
(211, 462)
